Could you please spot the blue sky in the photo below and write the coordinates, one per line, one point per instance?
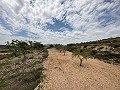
(59, 21)
(58, 26)
(4, 24)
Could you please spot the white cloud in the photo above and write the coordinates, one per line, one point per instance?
(82, 15)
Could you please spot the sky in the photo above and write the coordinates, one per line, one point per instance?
(59, 21)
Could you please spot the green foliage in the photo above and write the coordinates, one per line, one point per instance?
(18, 47)
(76, 53)
(23, 47)
(37, 45)
(51, 46)
(106, 55)
(45, 53)
(24, 76)
(3, 84)
(4, 63)
(85, 53)
(82, 52)
(107, 49)
(61, 48)
(13, 47)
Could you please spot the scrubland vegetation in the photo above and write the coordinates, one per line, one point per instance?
(21, 65)
(107, 50)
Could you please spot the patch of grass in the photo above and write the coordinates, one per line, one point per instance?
(3, 84)
(42, 77)
(4, 63)
(86, 52)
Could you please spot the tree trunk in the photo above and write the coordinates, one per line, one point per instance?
(81, 61)
(60, 51)
(64, 53)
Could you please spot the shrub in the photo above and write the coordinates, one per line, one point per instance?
(85, 53)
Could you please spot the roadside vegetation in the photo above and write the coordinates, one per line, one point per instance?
(61, 48)
(107, 50)
(21, 65)
(82, 54)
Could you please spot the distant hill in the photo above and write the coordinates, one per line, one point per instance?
(105, 41)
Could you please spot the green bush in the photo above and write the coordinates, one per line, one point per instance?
(85, 53)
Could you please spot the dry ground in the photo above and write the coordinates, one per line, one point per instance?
(63, 73)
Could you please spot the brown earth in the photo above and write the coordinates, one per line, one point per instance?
(64, 73)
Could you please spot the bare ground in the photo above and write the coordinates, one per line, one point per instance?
(64, 73)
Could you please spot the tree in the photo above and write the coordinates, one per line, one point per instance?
(31, 44)
(64, 49)
(81, 54)
(13, 47)
(37, 45)
(18, 47)
(23, 48)
(58, 47)
(61, 48)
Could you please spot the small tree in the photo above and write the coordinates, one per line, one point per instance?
(37, 45)
(18, 47)
(58, 47)
(23, 48)
(81, 54)
(64, 49)
(31, 44)
(61, 48)
(13, 47)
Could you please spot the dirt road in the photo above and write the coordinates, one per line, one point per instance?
(63, 73)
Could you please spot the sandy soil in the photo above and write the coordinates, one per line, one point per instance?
(63, 73)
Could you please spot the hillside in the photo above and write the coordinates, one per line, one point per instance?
(63, 73)
(107, 50)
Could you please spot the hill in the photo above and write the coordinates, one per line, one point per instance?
(107, 50)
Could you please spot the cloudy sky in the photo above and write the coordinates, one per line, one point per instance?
(59, 21)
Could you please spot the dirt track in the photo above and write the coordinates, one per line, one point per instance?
(63, 73)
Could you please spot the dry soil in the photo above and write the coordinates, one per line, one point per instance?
(64, 73)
